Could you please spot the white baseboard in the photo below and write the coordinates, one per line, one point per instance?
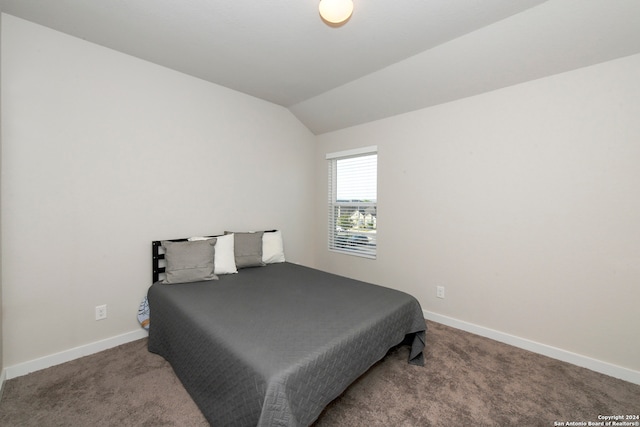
(3, 376)
(71, 354)
(536, 347)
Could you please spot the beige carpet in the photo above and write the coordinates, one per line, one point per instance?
(467, 381)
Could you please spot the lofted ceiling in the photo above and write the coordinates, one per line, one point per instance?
(391, 57)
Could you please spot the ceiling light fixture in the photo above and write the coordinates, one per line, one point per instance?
(336, 11)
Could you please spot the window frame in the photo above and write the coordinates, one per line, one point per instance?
(350, 244)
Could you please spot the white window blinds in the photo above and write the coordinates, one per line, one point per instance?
(353, 198)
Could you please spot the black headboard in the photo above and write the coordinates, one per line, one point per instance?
(156, 256)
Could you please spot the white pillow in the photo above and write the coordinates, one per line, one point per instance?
(224, 260)
(198, 238)
(272, 247)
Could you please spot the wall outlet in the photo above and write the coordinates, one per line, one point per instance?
(440, 291)
(101, 312)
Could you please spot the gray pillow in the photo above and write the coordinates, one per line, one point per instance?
(247, 249)
(189, 261)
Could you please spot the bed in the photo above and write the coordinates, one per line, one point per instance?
(272, 345)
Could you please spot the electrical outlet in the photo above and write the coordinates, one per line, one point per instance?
(101, 312)
(440, 291)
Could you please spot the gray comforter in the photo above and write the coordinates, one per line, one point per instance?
(272, 346)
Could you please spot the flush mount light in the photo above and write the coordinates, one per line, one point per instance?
(336, 11)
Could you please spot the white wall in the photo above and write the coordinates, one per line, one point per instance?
(103, 153)
(524, 203)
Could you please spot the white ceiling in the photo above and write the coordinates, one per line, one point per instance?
(391, 57)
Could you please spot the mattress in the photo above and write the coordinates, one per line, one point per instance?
(273, 345)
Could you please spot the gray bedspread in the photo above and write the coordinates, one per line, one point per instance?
(272, 346)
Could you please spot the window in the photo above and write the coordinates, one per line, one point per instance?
(353, 198)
